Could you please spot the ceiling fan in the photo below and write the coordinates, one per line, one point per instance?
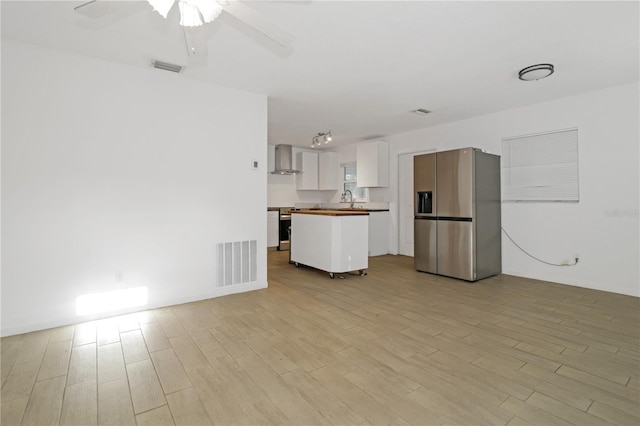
(194, 14)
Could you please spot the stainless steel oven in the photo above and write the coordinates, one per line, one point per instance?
(283, 228)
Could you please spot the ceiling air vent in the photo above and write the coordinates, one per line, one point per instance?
(421, 111)
(166, 66)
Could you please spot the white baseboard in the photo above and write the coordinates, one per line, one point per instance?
(582, 284)
(68, 320)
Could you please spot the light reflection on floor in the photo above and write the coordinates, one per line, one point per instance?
(111, 301)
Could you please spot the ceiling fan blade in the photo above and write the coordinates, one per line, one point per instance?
(98, 8)
(196, 41)
(259, 22)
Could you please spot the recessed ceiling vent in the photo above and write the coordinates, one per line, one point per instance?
(166, 66)
(421, 111)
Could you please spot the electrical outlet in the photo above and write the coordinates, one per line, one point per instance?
(119, 276)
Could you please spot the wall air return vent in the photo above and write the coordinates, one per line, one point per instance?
(166, 66)
(236, 263)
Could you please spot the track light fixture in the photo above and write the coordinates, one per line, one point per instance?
(320, 138)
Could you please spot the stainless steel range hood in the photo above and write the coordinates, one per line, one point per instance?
(284, 161)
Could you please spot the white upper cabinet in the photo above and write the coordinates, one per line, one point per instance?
(317, 171)
(307, 179)
(329, 171)
(373, 164)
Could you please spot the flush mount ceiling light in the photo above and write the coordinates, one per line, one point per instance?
(320, 138)
(535, 72)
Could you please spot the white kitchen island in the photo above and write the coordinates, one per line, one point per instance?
(331, 240)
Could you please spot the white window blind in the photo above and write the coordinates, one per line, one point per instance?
(542, 167)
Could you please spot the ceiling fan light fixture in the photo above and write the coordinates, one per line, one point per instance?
(162, 6)
(536, 72)
(193, 13)
(209, 9)
(189, 15)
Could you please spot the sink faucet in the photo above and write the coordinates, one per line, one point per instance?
(344, 194)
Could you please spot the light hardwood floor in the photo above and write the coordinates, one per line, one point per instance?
(393, 347)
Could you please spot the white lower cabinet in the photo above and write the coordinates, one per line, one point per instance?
(378, 233)
(273, 218)
(330, 243)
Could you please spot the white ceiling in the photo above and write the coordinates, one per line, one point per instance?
(359, 67)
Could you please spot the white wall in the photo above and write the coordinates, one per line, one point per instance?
(110, 168)
(608, 245)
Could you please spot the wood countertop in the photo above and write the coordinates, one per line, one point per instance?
(373, 210)
(332, 212)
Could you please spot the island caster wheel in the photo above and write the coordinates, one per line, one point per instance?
(362, 272)
(332, 275)
(296, 264)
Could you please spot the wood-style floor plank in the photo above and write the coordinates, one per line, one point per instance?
(85, 333)
(45, 402)
(13, 411)
(170, 371)
(133, 346)
(160, 416)
(327, 404)
(10, 348)
(154, 336)
(632, 406)
(56, 360)
(80, 404)
(34, 346)
(221, 407)
(187, 409)
(563, 411)
(187, 351)
(107, 331)
(114, 404)
(61, 334)
(146, 392)
(82, 365)
(353, 396)
(394, 347)
(111, 363)
(613, 415)
(265, 377)
(19, 383)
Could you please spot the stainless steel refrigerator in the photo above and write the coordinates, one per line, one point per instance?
(457, 214)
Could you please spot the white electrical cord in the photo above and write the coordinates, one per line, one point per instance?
(532, 256)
